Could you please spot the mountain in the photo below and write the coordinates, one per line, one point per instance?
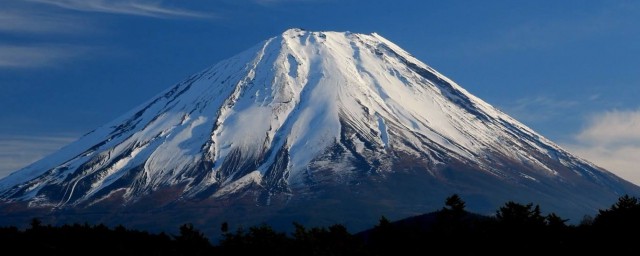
(316, 127)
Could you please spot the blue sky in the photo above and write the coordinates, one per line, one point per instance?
(568, 69)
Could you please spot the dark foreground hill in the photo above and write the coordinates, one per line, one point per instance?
(516, 229)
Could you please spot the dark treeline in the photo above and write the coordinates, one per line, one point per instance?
(515, 229)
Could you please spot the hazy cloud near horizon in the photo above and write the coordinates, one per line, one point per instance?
(611, 140)
(19, 151)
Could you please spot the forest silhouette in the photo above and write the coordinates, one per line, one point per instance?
(514, 229)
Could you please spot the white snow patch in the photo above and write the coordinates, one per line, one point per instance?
(254, 177)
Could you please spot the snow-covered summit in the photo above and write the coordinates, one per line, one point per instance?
(302, 110)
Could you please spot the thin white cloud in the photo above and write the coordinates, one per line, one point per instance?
(612, 140)
(594, 97)
(48, 22)
(16, 56)
(545, 101)
(29, 21)
(19, 19)
(539, 108)
(128, 7)
(17, 152)
(536, 34)
(268, 2)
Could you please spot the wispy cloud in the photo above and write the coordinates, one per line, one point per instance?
(16, 56)
(611, 140)
(537, 35)
(128, 7)
(539, 108)
(545, 101)
(267, 2)
(45, 25)
(44, 30)
(29, 21)
(533, 35)
(17, 152)
(613, 128)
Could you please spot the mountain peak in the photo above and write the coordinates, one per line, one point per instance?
(293, 32)
(305, 121)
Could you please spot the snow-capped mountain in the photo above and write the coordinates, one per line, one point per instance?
(317, 127)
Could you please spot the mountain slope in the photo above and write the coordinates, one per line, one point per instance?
(301, 123)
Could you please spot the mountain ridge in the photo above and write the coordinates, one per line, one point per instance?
(298, 116)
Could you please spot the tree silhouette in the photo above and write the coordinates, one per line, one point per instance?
(624, 214)
(36, 223)
(224, 227)
(384, 237)
(554, 221)
(259, 239)
(518, 215)
(454, 204)
(191, 241)
(322, 241)
(449, 221)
